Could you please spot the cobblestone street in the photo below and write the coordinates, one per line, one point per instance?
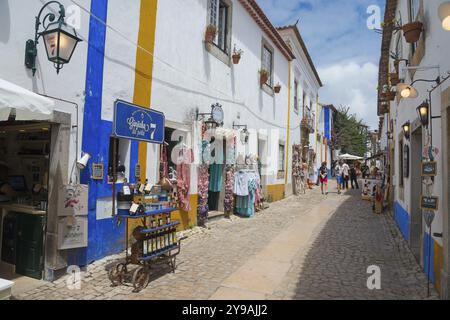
(308, 247)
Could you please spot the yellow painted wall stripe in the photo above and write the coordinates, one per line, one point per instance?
(288, 126)
(144, 67)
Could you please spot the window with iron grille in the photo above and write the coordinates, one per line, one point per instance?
(296, 109)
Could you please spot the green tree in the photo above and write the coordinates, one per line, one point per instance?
(350, 133)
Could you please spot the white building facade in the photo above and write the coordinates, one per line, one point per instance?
(411, 143)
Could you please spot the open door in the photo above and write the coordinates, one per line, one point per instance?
(30, 244)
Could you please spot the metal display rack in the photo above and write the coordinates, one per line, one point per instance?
(156, 245)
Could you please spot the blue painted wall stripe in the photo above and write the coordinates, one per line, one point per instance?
(426, 242)
(104, 236)
(403, 220)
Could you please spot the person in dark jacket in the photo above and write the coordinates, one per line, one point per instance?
(354, 177)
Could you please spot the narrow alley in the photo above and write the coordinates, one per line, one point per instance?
(307, 247)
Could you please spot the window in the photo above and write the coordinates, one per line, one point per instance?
(121, 157)
(267, 63)
(281, 155)
(219, 17)
(296, 108)
(400, 164)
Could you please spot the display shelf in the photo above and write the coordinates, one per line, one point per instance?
(148, 213)
(160, 252)
(167, 226)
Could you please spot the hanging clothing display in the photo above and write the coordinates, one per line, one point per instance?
(229, 186)
(184, 161)
(203, 183)
(215, 177)
(247, 183)
(241, 183)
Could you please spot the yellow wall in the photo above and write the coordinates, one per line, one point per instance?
(276, 192)
(144, 74)
(187, 219)
(437, 266)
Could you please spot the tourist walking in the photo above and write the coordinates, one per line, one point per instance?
(339, 179)
(323, 178)
(345, 175)
(354, 177)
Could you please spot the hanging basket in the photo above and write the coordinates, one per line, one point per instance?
(277, 88)
(236, 58)
(412, 31)
(394, 78)
(390, 96)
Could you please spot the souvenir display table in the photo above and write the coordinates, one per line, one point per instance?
(156, 242)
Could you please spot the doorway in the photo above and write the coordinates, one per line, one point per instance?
(416, 233)
(24, 193)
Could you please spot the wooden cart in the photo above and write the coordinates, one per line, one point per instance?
(162, 247)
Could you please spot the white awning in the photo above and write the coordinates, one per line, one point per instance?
(28, 105)
(349, 157)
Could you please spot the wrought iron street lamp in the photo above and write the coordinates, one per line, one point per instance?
(407, 130)
(444, 15)
(245, 135)
(60, 40)
(423, 111)
(408, 91)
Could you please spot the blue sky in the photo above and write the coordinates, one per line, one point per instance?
(345, 52)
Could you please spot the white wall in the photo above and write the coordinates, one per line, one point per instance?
(187, 76)
(17, 25)
(437, 46)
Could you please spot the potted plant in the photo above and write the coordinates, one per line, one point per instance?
(390, 95)
(237, 54)
(277, 88)
(394, 78)
(263, 76)
(412, 31)
(210, 34)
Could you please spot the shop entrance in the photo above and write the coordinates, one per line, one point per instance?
(24, 176)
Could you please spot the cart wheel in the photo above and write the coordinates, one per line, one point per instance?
(117, 274)
(141, 278)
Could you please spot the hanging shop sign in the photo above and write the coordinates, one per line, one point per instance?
(73, 200)
(429, 203)
(138, 123)
(72, 233)
(429, 169)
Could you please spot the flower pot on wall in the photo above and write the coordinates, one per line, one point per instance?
(390, 96)
(277, 88)
(412, 31)
(394, 78)
(236, 58)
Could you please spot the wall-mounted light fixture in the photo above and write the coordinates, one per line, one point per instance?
(245, 135)
(423, 112)
(60, 40)
(214, 119)
(407, 130)
(408, 91)
(444, 15)
(83, 162)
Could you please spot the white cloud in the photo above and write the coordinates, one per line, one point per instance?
(353, 85)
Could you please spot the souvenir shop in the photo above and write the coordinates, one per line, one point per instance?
(228, 180)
